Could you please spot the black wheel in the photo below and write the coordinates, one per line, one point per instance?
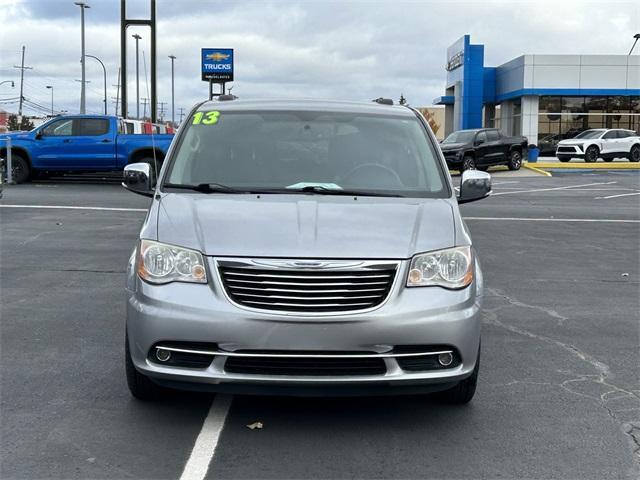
(139, 385)
(20, 169)
(464, 391)
(634, 154)
(468, 163)
(592, 154)
(515, 160)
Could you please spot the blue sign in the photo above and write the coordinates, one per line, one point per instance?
(217, 64)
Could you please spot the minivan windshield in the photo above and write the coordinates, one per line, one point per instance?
(306, 151)
(461, 136)
(589, 134)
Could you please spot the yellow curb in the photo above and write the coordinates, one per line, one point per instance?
(537, 170)
(589, 166)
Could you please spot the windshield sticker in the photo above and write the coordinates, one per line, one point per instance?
(206, 118)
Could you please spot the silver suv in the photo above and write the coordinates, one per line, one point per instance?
(304, 247)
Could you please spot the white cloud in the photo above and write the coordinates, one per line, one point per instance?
(349, 49)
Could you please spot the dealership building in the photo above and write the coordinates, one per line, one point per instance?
(543, 97)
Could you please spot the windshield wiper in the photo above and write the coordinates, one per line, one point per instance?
(205, 187)
(340, 191)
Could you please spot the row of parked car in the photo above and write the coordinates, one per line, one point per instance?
(485, 147)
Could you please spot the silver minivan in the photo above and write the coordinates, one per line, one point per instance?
(304, 247)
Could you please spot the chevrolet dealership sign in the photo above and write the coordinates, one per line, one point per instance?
(217, 64)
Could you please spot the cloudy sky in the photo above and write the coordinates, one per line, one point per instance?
(351, 49)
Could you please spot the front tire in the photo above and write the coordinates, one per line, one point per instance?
(20, 169)
(634, 154)
(464, 391)
(591, 154)
(468, 163)
(139, 385)
(515, 160)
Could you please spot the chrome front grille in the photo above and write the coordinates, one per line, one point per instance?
(306, 286)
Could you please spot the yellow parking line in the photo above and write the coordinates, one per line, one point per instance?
(590, 166)
(537, 170)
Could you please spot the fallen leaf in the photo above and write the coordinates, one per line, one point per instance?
(255, 425)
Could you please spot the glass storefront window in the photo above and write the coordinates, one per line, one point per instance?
(549, 104)
(572, 104)
(619, 104)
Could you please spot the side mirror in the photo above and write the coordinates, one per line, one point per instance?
(475, 185)
(479, 142)
(38, 135)
(137, 179)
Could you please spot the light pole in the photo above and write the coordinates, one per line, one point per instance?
(8, 81)
(104, 70)
(637, 37)
(51, 87)
(173, 113)
(83, 96)
(137, 37)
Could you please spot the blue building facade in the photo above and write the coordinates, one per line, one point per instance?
(540, 96)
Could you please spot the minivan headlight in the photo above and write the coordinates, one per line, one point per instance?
(449, 268)
(162, 263)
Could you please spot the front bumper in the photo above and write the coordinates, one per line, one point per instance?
(181, 312)
(569, 151)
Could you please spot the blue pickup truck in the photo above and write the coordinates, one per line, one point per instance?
(81, 143)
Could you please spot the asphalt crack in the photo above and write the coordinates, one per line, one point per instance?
(622, 405)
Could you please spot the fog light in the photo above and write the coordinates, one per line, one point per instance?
(445, 359)
(163, 355)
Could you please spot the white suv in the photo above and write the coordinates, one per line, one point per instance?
(601, 143)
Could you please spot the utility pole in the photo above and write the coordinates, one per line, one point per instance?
(161, 106)
(173, 104)
(117, 92)
(137, 37)
(181, 114)
(22, 69)
(83, 93)
(144, 103)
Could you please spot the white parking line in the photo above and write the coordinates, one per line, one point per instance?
(70, 207)
(616, 196)
(569, 220)
(205, 446)
(554, 188)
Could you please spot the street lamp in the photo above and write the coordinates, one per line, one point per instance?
(104, 70)
(173, 119)
(51, 87)
(83, 97)
(8, 81)
(137, 37)
(637, 37)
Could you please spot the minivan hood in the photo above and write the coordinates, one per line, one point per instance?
(305, 226)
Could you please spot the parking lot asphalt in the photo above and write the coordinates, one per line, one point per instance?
(559, 389)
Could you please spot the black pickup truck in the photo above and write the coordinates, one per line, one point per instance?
(482, 148)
